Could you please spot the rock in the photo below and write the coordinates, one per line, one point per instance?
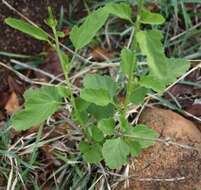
(163, 167)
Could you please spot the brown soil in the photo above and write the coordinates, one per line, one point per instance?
(14, 41)
(164, 162)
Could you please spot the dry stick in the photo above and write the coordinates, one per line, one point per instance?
(93, 66)
(181, 34)
(93, 185)
(192, 116)
(105, 176)
(23, 77)
(14, 184)
(36, 70)
(9, 184)
(136, 178)
(184, 112)
(183, 76)
(172, 179)
(167, 141)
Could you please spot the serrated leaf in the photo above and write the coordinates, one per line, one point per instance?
(151, 81)
(115, 153)
(27, 28)
(107, 126)
(82, 35)
(101, 112)
(91, 153)
(175, 68)
(151, 46)
(96, 81)
(121, 10)
(39, 105)
(144, 135)
(97, 134)
(148, 17)
(138, 94)
(127, 58)
(99, 97)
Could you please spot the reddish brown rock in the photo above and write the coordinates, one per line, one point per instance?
(168, 167)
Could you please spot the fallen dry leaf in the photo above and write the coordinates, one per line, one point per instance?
(13, 104)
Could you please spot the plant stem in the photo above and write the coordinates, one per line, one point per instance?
(134, 49)
(66, 71)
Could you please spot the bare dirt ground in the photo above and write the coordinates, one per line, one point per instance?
(16, 42)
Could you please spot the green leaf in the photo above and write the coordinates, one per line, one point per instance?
(135, 147)
(99, 97)
(63, 91)
(107, 126)
(81, 36)
(124, 125)
(51, 21)
(151, 81)
(91, 153)
(81, 105)
(60, 34)
(97, 134)
(121, 10)
(151, 46)
(65, 61)
(96, 81)
(101, 112)
(138, 94)
(27, 28)
(127, 58)
(144, 135)
(175, 68)
(98, 89)
(39, 105)
(115, 153)
(148, 17)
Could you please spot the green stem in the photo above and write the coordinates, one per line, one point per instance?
(134, 49)
(66, 71)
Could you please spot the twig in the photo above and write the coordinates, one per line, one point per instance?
(183, 76)
(181, 34)
(167, 141)
(9, 184)
(23, 77)
(105, 176)
(36, 70)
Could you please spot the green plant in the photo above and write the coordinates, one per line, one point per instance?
(107, 133)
